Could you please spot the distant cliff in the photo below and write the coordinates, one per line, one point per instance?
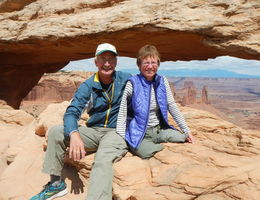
(57, 87)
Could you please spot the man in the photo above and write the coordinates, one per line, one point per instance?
(101, 95)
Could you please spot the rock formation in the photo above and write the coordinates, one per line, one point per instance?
(222, 164)
(190, 93)
(56, 87)
(43, 36)
(204, 95)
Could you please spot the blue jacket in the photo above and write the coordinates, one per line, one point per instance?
(92, 97)
(140, 107)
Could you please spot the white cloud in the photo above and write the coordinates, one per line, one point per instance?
(250, 67)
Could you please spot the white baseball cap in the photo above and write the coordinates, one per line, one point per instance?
(105, 47)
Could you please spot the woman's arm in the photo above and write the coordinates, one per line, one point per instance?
(175, 112)
(122, 115)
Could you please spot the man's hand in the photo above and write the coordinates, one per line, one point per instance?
(190, 139)
(76, 150)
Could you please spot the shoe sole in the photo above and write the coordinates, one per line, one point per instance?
(60, 194)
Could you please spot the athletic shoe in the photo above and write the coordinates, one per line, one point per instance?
(50, 192)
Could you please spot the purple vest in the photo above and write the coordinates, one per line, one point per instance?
(140, 107)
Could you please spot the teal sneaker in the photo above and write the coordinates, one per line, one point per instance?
(50, 192)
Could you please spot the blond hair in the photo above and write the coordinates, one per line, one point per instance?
(147, 51)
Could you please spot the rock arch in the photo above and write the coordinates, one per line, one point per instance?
(42, 36)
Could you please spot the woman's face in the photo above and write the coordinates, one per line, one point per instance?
(149, 67)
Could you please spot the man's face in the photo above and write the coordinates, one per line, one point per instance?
(149, 67)
(106, 63)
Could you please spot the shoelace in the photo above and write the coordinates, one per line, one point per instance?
(45, 187)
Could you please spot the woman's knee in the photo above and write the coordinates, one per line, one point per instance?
(146, 153)
(170, 135)
(182, 137)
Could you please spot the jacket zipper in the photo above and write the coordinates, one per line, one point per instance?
(110, 104)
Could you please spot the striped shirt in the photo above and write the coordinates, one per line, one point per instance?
(154, 115)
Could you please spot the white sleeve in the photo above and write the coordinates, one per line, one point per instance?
(174, 110)
(122, 115)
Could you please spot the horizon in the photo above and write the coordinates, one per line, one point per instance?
(220, 67)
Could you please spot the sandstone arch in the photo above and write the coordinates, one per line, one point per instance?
(43, 36)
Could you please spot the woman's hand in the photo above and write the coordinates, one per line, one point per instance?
(190, 138)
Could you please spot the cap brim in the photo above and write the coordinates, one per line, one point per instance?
(105, 51)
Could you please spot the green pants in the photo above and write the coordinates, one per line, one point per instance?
(152, 139)
(109, 146)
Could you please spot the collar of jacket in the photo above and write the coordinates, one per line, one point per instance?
(97, 83)
(155, 80)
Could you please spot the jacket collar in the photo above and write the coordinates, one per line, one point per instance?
(97, 83)
(154, 81)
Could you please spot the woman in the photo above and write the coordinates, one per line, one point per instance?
(147, 98)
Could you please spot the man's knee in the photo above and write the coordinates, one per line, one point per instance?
(110, 154)
(114, 142)
(56, 133)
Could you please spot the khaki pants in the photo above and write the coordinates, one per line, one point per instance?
(152, 139)
(109, 146)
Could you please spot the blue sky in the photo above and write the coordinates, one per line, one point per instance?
(227, 63)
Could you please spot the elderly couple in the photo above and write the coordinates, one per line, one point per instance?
(125, 112)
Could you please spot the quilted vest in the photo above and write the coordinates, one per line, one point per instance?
(140, 107)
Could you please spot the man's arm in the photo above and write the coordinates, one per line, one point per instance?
(71, 117)
(74, 110)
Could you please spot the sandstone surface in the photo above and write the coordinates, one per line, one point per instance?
(222, 164)
(39, 36)
(12, 123)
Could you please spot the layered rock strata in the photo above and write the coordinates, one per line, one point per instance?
(39, 36)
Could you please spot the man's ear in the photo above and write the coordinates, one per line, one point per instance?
(116, 61)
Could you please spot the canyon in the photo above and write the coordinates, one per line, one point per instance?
(235, 100)
(40, 37)
(223, 160)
